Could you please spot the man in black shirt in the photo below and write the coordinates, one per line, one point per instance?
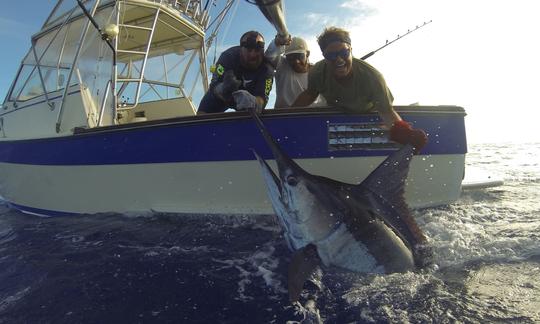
(242, 79)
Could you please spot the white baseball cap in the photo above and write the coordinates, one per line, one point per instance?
(298, 45)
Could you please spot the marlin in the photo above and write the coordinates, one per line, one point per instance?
(366, 228)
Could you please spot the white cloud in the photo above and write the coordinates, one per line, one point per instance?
(351, 4)
(360, 7)
(316, 20)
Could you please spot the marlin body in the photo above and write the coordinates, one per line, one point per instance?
(365, 228)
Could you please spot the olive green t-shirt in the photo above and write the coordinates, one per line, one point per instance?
(365, 92)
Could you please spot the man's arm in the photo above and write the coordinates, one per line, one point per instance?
(273, 54)
(388, 115)
(383, 99)
(306, 98)
(229, 83)
(263, 85)
(401, 131)
(224, 81)
(261, 102)
(276, 49)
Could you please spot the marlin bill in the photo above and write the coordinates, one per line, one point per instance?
(366, 228)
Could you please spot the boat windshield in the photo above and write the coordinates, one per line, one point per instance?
(67, 8)
(158, 53)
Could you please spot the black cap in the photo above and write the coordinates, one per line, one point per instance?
(249, 40)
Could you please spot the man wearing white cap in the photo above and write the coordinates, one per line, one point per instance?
(290, 59)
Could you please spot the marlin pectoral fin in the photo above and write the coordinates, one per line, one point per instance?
(303, 263)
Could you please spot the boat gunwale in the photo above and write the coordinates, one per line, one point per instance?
(241, 115)
(270, 113)
(279, 112)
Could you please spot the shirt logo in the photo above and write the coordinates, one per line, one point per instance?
(268, 86)
(220, 70)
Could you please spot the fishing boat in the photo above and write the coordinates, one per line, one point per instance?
(101, 117)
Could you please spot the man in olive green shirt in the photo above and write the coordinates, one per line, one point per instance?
(356, 86)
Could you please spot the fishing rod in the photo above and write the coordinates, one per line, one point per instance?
(396, 39)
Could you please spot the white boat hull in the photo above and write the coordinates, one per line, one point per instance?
(200, 188)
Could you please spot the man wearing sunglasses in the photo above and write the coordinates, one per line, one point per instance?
(242, 78)
(290, 57)
(355, 86)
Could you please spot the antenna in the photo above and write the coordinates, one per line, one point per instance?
(397, 38)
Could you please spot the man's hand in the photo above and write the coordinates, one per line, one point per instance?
(281, 40)
(403, 133)
(229, 85)
(245, 100)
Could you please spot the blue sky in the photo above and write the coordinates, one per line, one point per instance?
(479, 54)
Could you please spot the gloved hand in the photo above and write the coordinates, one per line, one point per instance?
(227, 86)
(403, 133)
(245, 100)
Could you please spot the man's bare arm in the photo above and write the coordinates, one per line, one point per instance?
(388, 115)
(305, 99)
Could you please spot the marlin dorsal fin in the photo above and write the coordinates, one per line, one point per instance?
(387, 187)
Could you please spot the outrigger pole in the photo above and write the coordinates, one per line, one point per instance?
(104, 35)
(397, 38)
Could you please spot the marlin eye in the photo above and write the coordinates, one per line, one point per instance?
(292, 181)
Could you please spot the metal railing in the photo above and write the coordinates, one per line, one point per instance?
(192, 9)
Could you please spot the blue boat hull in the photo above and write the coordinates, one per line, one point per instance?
(192, 164)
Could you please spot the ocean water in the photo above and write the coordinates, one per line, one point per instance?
(169, 269)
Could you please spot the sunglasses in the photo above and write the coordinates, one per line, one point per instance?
(252, 44)
(296, 56)
(332, 56)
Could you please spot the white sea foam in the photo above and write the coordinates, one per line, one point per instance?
(262, 263)
(10, 300)
(154, 251)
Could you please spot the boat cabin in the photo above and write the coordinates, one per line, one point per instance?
(107, 62)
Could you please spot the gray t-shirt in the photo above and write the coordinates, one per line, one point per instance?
(289, 84)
